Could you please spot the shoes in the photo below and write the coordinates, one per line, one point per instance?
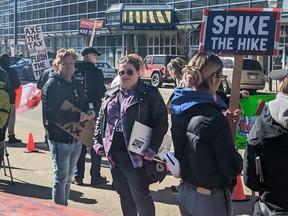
(77, 181)
(13, 139)
(99, 180)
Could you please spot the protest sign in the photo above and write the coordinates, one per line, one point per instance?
(37, 49)
(243, 31)
(238, 32)
(86, 26)
(252, 107)
(82, 131)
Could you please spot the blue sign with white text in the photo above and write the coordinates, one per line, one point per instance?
(241, 32)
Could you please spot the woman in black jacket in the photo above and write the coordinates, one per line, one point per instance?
(124, 104)
(202, 140)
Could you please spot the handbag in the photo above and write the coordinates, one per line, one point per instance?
(155, 171)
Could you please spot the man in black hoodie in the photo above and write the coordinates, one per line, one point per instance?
(93, 82)
(14, 84)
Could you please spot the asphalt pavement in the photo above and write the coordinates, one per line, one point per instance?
(33, 175)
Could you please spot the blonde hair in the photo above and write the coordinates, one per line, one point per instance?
(201, 66)
(133, 59)
(62, 53)
(175, 67)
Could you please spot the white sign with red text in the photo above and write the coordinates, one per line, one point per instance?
(37, 49)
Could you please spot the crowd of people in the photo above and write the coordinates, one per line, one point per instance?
(201, 135)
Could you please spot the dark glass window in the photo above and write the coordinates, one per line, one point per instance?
(92, 6)
(82, 8)
(160, 60)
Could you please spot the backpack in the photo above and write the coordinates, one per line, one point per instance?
(4, 103)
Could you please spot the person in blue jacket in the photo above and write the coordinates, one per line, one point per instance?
(202, 141)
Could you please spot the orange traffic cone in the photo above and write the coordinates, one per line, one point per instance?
(31, 144)
(238, 194)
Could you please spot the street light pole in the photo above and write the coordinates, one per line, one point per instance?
(271, 4)
(15, 26)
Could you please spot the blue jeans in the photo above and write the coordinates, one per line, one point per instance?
(95, 164)
(65, 157)
(132, 187)
(190, 202)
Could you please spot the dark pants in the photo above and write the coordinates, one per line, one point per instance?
(130, 184)
(95, 164)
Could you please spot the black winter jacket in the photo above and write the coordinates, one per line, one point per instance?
(12, 74)
(203, 142)
(92, 80)
(269, 140)
(146, 106)
(54, 93)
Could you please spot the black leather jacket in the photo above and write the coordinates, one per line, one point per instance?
(54, 93)
(147, 106)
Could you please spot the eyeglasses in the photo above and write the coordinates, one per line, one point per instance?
(128, 72)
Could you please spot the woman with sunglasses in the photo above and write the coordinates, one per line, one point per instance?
(124, 104)
(202, 141)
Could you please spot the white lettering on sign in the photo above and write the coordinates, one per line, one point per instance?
(244, 25)
(240, 30)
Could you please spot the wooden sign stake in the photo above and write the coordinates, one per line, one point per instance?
(93, 33)
(235, 90)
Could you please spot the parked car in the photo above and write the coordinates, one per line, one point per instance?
(109, 72)
(252, 78)
(14, 59)
(155, 69)
(21, 68)
(28, 71)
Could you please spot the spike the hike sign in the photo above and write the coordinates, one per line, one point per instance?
(242, 31)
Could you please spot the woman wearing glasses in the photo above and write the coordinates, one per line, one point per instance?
(124, 104)
(202, 141)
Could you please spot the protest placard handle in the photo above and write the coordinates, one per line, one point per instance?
(93, 33)
(235, 90)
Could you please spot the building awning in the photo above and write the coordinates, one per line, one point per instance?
(140, 17)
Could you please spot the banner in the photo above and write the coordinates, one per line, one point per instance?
(252, 107)
(37, 49)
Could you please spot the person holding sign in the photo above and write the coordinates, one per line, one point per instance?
(131, 101)
(202, 141)
(65, 149)
(266, 155)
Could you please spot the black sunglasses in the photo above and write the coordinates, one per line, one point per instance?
(128, 72)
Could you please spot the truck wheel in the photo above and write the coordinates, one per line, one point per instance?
(156, 80)
(225, 85)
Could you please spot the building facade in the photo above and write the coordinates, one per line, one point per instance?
(60, 20)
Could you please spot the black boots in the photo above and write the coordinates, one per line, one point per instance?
(13, 139)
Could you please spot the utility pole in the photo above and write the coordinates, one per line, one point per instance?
(15, 26)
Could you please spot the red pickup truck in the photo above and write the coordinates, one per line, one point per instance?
(155, 69)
